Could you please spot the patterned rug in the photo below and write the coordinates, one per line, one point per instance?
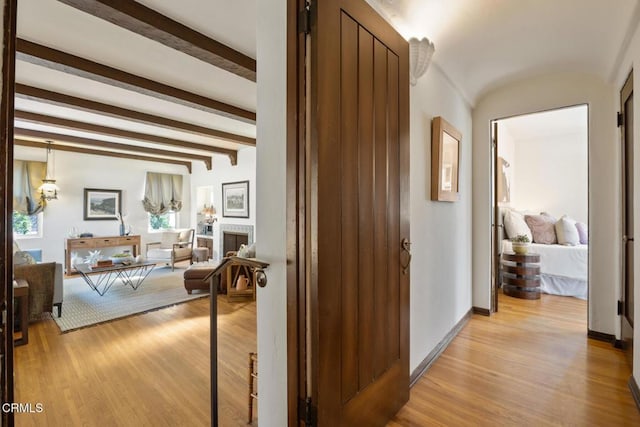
(83, 306)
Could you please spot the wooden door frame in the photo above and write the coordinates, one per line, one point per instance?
(625, 92)
(6, 197)
(295, 211)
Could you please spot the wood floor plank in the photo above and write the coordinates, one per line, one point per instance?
(531, 364)
(146, 370)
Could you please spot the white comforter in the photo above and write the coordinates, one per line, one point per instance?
(558, 260)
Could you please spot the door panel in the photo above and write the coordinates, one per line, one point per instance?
(626, 104)
(359, 159)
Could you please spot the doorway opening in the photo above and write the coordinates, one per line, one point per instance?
(540, 200)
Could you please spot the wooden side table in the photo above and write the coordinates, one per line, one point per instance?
(21, 294)
(521, 275)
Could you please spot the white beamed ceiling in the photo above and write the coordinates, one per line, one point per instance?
(59, 26)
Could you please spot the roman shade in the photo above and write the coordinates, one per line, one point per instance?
(27, 178)
(162, 193)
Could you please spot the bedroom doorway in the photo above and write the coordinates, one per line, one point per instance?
(540, 190)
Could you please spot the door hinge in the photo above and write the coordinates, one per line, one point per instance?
(619, 118)
(307, 412)
(304, 19)
(4, 317)
(619, 308)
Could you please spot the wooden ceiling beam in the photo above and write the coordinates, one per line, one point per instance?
(55, 98)
(61, 147)
(121, 133)
(67, 63)
(111, 145)
(148, 23)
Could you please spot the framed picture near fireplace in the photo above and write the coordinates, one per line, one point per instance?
(235, 199)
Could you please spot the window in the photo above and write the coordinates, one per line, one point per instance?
(163, 221)
(27, 225)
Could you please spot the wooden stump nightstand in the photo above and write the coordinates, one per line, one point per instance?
(521, 275)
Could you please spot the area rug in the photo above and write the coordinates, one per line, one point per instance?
(83, 306)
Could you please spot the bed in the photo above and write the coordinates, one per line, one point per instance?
(564, 270)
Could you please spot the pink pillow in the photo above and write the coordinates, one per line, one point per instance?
(543, 228)
(583, 232)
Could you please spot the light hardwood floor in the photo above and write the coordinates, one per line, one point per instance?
(531, 364)
(145, 370)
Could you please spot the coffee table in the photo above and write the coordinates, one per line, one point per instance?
(132, 275)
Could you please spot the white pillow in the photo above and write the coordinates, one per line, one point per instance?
(514, 225)
(567, 232)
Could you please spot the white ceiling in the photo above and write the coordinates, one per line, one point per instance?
(481, 44)
(59, 26)
(547, 124)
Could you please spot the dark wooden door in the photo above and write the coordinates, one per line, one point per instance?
(359, 194)
(496, 229)
(626, 105)
(8, 38)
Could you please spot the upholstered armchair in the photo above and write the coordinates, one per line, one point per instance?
(45, 281)
(45, 286)
(173, 246)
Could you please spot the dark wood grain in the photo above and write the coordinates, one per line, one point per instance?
(522, 270)
(63, 137)
(71, 64)
(393, 211)
(146, 22)
(519, 281)
(381, 196)
(72, 149)
(351, 276)
(9, 12)
(366, 261)
(521, 292)
(382, 367)
(55, 98)
(530, 257)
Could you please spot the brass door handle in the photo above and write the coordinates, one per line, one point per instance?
(406, 244)
(261, 277)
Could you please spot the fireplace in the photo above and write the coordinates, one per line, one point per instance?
(232, 236)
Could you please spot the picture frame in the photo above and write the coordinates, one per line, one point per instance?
(445, 161)
(235, 199)
(102, 204)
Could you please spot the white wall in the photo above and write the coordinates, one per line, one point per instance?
(440, 231)
(507, 150)
(271, 210)
(222, 172)
(551, 175)
(544, 93)
(632, 56)
(74, 172)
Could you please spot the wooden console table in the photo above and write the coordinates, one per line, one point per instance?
(521, 275)
(92, 243)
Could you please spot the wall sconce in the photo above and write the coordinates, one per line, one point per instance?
(420, 53)
(49, 190)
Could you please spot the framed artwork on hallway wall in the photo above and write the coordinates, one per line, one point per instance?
(445, 159)
(235, 199)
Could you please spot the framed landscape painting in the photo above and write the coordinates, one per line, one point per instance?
(235, 199)
(102, 204)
